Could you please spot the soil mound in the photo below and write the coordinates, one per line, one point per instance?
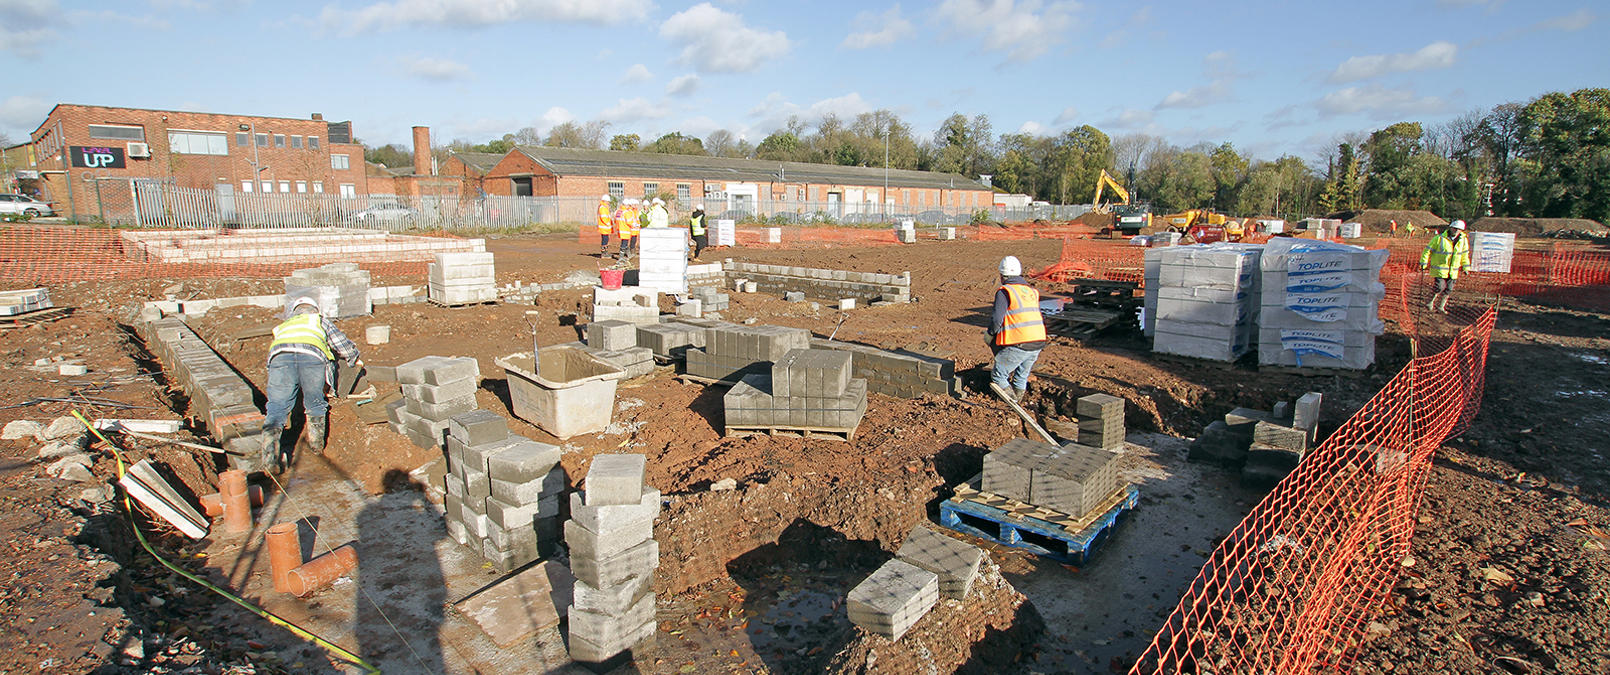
(1094, 219)
(1380, 220)
(1536, 226)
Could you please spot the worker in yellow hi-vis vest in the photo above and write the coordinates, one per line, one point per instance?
(299, 359)
(1444, 257)
(1017, 331)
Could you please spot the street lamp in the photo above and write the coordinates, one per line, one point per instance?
(251, 130)
(886, 130)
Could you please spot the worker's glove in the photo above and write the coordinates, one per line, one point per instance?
(355, 363)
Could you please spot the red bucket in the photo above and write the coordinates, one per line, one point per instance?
(611, 279)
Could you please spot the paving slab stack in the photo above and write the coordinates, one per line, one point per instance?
(462, 279)
(893, 599)
(662, 260)
(806, 388)
(1321, 304)
(1492, 252)
(615, 341)
(670, 339)
(711, 299)
(502, 491)
(900, 373)
(434, 389)
(341, 289)
(732, 351)
(219, 396)
(1072, 479)
(955, 562)
(630, 304)
(1152, 272)
(1207, 301)
(1101, 421)
(13, 303)
(613, 556)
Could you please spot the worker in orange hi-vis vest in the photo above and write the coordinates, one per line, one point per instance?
(1017, 330)
(606, 225)
(626, 227)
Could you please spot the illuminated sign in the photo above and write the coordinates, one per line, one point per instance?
(96, 157)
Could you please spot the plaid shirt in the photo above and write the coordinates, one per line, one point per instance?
(338, 342)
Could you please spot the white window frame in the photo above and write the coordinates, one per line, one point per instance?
(349, 190)
(313, 142)
(617, 189)
(246, 186)
(268, 186)
(650, 189)
(140, 129)
(684, 193)
(340, 162)
(296, 142)
(285, 186)
(318, 187)
(279, 140)
(301, 185)
(191, 142)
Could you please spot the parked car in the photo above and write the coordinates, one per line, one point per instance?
(26, 206)
(385, 213)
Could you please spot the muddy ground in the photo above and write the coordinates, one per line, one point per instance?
(754, 577)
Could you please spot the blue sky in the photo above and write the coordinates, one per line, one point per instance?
(1271, 77)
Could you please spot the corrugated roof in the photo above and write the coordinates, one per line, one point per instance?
(576, 162)
(480, 161)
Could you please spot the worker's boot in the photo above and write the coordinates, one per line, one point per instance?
(1432, 305)
(270, 457)
(1018, 394)
(1444, 306)
(317, 427)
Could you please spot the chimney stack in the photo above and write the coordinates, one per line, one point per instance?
(318, 117)
(422, 163)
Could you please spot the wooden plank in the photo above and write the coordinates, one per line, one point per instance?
(1022, 414)
(1072, 546)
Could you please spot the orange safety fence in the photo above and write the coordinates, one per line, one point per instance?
(1293, 587)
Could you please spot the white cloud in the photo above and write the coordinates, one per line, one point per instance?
(1023, 30)
(1572, 22)
(554, 117)
(28, 11)
(1068, 114)
(629, 110)
(25, 43)
(1128, 119)
(1217, 91)
(717, 41)
(25, 26)
(637, 73)
(683, 85)
(475, 13)
(434, 69)
(891, 28)
(23, 113)
(1432, 56)
(773, 111)
(1031, 128)
(1378, 102)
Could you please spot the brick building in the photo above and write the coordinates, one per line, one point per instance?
(471, 168)
(77, 144)
(722, 183)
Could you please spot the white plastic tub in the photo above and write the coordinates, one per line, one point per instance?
(572, 393)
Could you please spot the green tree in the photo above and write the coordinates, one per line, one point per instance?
(675, 143)
(1341, 192)
(1076, 159)
(589, 136)
(390, 155)
(1229, 174)
(1566, 137)
(780, 146)
(1391, 150)
(627, 142)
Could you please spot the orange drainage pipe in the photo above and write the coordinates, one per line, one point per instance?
(321, 571)
(237, 505)
(284, 543)
(213, 504)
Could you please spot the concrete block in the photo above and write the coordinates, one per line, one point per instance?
(615, 479)
(1218, 445)
(1305, 415)
(450, 369)
(510, 516)
(1074, 480)
(893, 599)
(585, 543)
(614, 600)
(478, 427)
(441, 393)
(477, 489)
(1007, 468)
(522, 493)
(473, 457)
(414, 371)
(611, 518)
(616, 632)
(1100, 406)
(955, 562)
(612, 334)
(637, 561)
(794, 296)
(442, 411)
(523, 461)
(377, 335)
(692, 308)
(1280, 436)
(846, 304)
(1242, 420)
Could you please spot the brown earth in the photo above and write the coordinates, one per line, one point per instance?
(1536, 226)
(1380, 220)
(852, 501)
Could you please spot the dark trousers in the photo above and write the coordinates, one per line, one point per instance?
(700, 241)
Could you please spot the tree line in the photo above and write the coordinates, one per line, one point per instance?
(1548, 157)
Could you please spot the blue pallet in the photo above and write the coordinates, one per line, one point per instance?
(1046, 538)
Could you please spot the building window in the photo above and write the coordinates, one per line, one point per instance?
(197, 143)
(318, 187)
(684, 193)
(285, 186)
(340, 162)
(617, 189)
(349, 190)
(262, 140)
(816, 193)
(296, 142)
(242, 139)
(268, 186)
(279, 140)
(116, 132)
(650, 189)
(245, 186)
(301, 185)
(313, 142)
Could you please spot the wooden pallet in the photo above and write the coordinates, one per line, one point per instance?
(35, 317)
(1080, 322)
(1042, 531)
(793, 432)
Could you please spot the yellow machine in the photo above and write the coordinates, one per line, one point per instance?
(1183, 220)
(1105, 180)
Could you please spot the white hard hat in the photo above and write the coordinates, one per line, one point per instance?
(699, 206)
(1457, 225)
(603, 198)
(304, 302)
(1010, 267)
(631, 201)
(657, 201)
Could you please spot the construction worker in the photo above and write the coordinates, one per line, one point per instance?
(299, 359)
(657, 215)
(696, 228)
(606, 224)
(1394, 229)
(626, 227)
(1018, 331)
(1444, 256)
(1408, 228)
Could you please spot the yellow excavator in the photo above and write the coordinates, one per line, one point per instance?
(1131, 218)
(1105, 180)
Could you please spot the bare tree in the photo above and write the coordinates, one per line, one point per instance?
(720, 143)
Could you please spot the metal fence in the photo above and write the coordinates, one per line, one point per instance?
(157, 203)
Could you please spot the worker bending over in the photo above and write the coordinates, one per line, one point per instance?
(1445, 255)
(1018, 331)
(299, 359)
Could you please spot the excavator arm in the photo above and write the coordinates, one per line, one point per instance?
(1105, 180)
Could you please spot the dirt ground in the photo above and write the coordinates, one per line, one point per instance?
(754, 578)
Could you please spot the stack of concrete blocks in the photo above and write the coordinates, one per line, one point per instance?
(434, 389)
(1207, 301)
(807, 388)
(341, 289)
(732, 351)
(663, 260)
(1266, 445)
(823, 284)
(219, 396)
(947, 234)
(1073, 479)
(706, 274)
(893, 599)
(462, 279)
(310, 245)
(615, 341)
(630, 304)
(394, 295)
(723, 232)
(669, 340)
(955, 562)
(613, 555)
(1321, 304)
(502, 491)
(1152, 275)
(1101, 421)
(13, 303)
(1492, 252)
(906, 232)
(897, 373)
